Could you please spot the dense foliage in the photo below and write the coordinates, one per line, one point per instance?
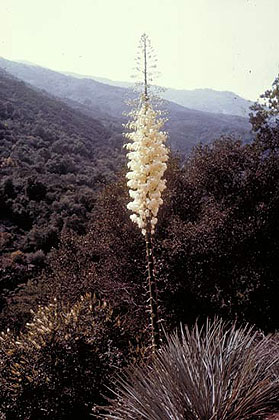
(53, 160)
(216, 244)
(57, 367)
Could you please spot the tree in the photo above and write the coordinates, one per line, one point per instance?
(266, 111)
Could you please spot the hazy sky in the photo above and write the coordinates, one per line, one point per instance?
(220, 44)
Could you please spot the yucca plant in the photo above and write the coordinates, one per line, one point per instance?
(217, 372)
(147, 163)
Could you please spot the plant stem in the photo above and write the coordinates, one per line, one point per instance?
(145, 70)
(152, 292)
(152, 302)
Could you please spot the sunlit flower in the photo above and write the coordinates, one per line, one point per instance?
(147, 163)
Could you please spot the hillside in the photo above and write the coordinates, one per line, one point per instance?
(186, 127)
(56, 154)
(53, 160)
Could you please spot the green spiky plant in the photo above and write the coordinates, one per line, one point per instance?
(217, 372)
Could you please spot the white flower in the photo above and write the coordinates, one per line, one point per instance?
(147, 163)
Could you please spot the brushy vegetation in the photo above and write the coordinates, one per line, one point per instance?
(53, 160)
(57, 367)
(217, 240)
(217, 243)
(218, 372)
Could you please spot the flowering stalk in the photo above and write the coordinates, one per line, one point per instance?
(152, 292)
(147, 163)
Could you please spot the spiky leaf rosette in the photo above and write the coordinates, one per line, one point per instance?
(217, 372)
(147, 163)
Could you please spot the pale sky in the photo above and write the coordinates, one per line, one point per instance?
(219, 44)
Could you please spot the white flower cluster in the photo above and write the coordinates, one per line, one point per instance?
(147, 163)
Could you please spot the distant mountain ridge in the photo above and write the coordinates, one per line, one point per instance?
(207, 100)
(106, 103)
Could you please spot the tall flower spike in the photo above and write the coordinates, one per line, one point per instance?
(147, 163)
